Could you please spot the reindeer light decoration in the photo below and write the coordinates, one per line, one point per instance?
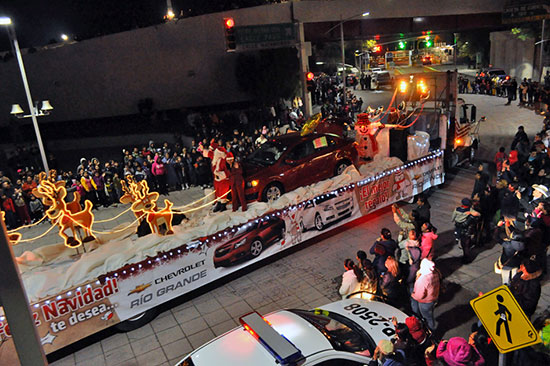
(77, 223)
(145, 203)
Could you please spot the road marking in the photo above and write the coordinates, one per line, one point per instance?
(430, 68)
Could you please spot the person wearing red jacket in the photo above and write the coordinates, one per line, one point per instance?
(237, 186)
(9, 208)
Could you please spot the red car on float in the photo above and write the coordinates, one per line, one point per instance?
(287, 162)
(250, 241)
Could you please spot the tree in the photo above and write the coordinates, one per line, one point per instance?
(269, 75)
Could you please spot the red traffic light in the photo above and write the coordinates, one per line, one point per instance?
(229, 23)
(309, 76)
(377, 48)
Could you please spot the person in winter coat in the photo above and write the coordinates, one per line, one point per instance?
(426, 292)
(409, 256)
(388, 282)
(9, 208)
(525, 286)
(423, 209)
(159, 172)
(520, 136)
(463, 217)
(384, 247)
(429, 234)
(370, 277)
(405, 221)
(350, 279)
(500, 157)
(386, 355)
(457, 352)
(237, 186)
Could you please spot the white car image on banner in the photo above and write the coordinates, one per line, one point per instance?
(325, 210)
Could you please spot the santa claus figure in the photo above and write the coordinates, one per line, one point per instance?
(365, 136)
(219, 158)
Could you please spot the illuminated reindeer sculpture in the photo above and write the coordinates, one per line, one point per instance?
(145, 203)
(53, 195)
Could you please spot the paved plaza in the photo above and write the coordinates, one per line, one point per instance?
(309, 277)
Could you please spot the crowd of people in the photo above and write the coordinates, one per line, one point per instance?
(509, 206)
(528, 93)
(168, 167)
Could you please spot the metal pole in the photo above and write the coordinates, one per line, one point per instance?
(501, 359)
(11, 33)
(455, 50)
(542, 51)
(304, 68)
(343, 56)
(16, 307)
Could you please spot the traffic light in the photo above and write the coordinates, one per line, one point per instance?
(428, 42)
(402, 45)
(310, 82)
(230, 41)
(377, 48)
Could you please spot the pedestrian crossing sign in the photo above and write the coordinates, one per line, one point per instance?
(504, 320)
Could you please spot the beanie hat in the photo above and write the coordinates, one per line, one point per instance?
(385, 346)
(466, 202)
(458, 353)
(513, 157)
(415, 328)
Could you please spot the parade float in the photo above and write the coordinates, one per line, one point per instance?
(93, 279)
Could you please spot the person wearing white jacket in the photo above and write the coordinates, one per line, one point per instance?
(351, 279)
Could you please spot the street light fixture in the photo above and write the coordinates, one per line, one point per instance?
(42, 108)
(64, 37)
(34, 111)
(341, 24)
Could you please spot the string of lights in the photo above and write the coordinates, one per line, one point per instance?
(27, 226)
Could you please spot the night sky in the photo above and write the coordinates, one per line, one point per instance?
(37, 22)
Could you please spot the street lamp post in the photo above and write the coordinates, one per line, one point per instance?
(341, 24)
(5, 21)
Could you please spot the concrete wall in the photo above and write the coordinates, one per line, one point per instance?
(178, 64)
(513, 55)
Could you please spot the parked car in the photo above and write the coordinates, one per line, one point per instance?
(324, 210)
(250, 241)
(287, 162)
(381, 78)
(427, 60)
(343, 333)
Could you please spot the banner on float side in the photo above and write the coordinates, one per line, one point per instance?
(399, 184)
(133, 289)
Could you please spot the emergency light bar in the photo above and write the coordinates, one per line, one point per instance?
(280, 347)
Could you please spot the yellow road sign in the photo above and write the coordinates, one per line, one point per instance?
(504, 320)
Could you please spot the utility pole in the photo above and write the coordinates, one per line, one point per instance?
(542, 40)
(304, 68)
(16, 307)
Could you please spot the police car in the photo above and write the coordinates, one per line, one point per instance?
(343, 333)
